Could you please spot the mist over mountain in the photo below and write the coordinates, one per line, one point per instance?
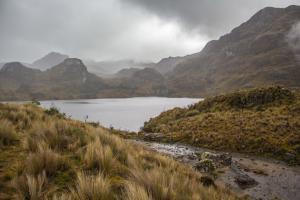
(49, 60)
(256, 53)
(109, 67)
(262, 51)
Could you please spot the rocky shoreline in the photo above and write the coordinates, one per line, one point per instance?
(255, 177)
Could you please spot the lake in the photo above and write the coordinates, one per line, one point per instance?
(121, 113)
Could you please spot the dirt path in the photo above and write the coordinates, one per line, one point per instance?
(274, 179)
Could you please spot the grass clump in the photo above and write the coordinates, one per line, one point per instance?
(31, 187)
(94, 187)
(45, 160)
(7, 133)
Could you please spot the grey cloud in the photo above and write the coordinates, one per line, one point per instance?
(293, 39)
(117, 29)
(210, 17)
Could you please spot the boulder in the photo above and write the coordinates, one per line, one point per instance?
(224, 159)
(244, 181)
(205, 166)
(209, 155)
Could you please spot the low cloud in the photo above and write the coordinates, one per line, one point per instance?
(117, 29)
(293, 38)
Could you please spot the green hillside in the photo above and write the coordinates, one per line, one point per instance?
(264, 121)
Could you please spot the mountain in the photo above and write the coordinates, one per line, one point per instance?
(108, 68)
(67, 80)
(49, 60)
(256, 53)
(126, 73)
(262, 51)
(72, 80)
(141, 82)
(166, 65)
(15, 75)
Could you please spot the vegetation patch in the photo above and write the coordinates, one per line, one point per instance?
(58, 158)
(263, 121)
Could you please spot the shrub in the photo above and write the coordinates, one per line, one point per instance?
(92, 187)
(7, 133)
(191, 113)
(53, 111)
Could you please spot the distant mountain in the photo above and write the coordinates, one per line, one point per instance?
(71, 80)
(141, 82)
(125, 73)
(256, 53)
(49, 60)
(68, 80)
(14, 75)
(166, 65)
(108, 68)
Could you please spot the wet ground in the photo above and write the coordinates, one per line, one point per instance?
(274, 179)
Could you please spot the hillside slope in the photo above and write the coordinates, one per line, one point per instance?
(259, 52)
(46, 156)
(263, 122)
(49, 60)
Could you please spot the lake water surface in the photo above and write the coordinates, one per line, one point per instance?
(124, 113)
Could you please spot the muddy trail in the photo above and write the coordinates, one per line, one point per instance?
(259, 178)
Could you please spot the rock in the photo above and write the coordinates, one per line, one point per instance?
(244, 181)
(207, 181)
(220, 159)
(208, 155)
(225, 159)
(205, 166)
(192, 157)
(289, 156)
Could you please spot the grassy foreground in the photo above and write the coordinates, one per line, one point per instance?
(43, 155)
(264, 122)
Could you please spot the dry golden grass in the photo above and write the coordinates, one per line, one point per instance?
(7, 133)
(31, 187)
(45, 160)
(55, 149)
(94, 187)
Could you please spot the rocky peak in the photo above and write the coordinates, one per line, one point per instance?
(49, 60)
(15, 67)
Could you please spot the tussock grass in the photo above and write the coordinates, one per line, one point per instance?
(7, 133)
(134, 191)
(54, 149)
(45, 160)
(31, 187)
(100, 158)
(94, 187)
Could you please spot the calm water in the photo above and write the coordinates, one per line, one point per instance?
(126, 114)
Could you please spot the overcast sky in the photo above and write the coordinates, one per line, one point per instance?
(118, 29)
